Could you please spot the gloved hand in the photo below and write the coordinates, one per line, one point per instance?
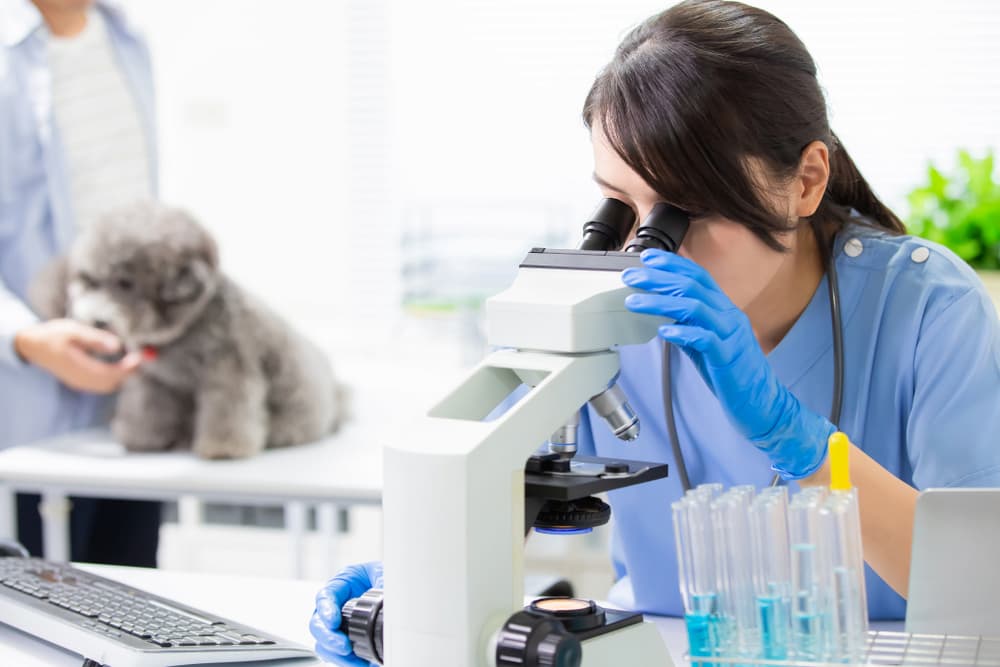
(716, 335)
(353, 581)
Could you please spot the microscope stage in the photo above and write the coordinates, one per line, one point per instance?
(586, 479)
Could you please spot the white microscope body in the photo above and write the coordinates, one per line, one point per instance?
(455, 487)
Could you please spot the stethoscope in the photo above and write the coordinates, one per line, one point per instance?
(838, 379)
(665, 227)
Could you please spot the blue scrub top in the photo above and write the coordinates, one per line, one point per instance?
(921, 397)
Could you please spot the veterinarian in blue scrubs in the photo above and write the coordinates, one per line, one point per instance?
(715, 107)
(76, 138)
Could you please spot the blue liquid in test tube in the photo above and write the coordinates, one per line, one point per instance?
(703, 627)
(807, 616)
(773, 610)
(772, 576)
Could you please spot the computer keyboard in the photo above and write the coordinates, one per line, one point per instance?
(120, 626)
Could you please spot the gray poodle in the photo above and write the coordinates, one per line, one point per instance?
(223, 374)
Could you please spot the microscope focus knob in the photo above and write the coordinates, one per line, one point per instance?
(362, 623)
(532, 640)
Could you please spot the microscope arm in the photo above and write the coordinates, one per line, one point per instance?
(454, 503)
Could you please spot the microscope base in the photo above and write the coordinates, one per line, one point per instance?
(640, 645)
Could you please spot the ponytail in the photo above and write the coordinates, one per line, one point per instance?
(849, 190)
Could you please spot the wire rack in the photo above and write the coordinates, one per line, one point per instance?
(895, 648)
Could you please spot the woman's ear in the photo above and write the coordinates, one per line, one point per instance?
(48, 293)
(814, 173)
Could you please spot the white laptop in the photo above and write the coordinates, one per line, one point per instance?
(955, 566)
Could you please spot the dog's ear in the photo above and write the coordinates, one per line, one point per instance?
(197, 274)
(48, 293)
(208, 251)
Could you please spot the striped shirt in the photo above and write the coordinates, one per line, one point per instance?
(106, 150)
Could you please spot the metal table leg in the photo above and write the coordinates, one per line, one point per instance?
(295, 524)
(327, 525)
(8, 512)
(55, 508)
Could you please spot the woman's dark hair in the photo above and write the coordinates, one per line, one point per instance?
(700, 94)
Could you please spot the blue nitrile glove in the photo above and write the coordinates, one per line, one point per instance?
(353, 581)
(716, 335)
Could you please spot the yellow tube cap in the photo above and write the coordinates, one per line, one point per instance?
(840, 472)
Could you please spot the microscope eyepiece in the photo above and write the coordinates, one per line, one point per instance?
(663, 228)
(608, 227)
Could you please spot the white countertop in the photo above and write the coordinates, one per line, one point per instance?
(345, 466)
(278, 606)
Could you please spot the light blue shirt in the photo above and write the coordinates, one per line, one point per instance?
(36, 220)
(921, 397)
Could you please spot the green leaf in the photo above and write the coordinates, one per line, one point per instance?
(960, 209)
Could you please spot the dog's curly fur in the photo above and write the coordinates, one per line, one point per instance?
(229, 377)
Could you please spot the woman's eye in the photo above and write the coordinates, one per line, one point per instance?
(87, 280)
(124, 284)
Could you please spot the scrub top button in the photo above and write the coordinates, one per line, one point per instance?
(920, 255)
(853, 247)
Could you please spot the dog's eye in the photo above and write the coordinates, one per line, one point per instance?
(87, 280)
(124, 284)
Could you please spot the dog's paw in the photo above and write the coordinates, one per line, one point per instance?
(219, 449)
(139, 438)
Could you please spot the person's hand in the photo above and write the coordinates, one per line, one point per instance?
(353, 581)
(717, 336)
(67, 349)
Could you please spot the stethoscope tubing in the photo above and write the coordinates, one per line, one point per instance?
(838, 380)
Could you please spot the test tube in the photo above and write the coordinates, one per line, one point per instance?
(809, 575)
(772, 575)
(697, 575)
(842, 524)
(739, 621)
(705, 492)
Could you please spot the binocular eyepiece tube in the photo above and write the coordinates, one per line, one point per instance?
(612, 221)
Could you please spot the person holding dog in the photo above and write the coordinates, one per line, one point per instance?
(78, 137)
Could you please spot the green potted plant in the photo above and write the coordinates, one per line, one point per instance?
(961, 210)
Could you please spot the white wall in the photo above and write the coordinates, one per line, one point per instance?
(311, 134)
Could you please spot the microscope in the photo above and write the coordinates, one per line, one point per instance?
(462, 491)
